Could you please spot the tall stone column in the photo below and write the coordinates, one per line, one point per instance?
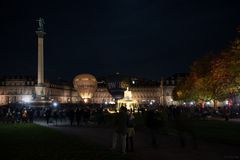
(162, 97)
(40, 35)
(40, 89)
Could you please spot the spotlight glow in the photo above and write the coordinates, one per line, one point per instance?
(85, 100)
(55, 104)
(26, 99)
(226, 102)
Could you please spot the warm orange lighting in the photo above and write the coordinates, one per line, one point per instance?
(86, 85)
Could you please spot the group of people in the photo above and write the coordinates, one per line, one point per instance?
(16, 115)
(85, 115)
(156, 119)
(124, 123)
(74, 115)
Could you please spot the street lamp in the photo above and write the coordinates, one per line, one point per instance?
(55, 104)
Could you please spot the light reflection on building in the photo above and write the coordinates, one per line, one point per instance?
(21, 89)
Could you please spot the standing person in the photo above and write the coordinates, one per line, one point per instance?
(130, 132)
(18, 116)
(100, 116)
(78, 116)
(71, 116)
(48, 114)
(225, 113)
(24, 116)
(60, 112)
(9, 115)
(86, 115)
(30, 115)
(55, 115)
(152, 122)
(120, 129)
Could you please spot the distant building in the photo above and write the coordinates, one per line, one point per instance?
(143, 91)
(21, 89)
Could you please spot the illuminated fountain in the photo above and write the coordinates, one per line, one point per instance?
(127, 101)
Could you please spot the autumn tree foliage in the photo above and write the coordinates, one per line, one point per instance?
(219, 77)
(212, 77)
(195, 86)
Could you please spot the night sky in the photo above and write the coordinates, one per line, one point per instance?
(146, 38)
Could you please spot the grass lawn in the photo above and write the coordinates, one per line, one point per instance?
(210, 131)
(218, 131)
(32, 142)
(207, 130)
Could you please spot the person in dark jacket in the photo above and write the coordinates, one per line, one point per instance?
(48, 114)
(153, 121)
(130, 132)
(71, 116)
(120, 129)
(78, 116)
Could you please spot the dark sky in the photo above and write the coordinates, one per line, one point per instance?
(147, 38)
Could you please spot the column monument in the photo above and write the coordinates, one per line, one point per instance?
(40, 88)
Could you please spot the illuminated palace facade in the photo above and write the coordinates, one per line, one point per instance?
(21, 89)
(143, 91)
(25, 89)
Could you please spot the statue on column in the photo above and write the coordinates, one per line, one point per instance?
(41, 24)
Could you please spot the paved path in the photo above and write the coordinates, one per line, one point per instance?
(237, 120)
(169, 145)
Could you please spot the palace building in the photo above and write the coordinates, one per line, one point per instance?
(143, 91)
(36, 90)
(21, 89)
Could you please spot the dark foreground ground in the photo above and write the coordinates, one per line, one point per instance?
(34, 142)
(216, 140)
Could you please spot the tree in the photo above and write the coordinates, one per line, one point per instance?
(225, 73)
(181, 91)
(219, 78)
(200, 71)
(211, 77)
(195, 86)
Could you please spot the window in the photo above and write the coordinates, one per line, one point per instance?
(167, 82)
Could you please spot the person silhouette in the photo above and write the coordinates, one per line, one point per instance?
(120, 129)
